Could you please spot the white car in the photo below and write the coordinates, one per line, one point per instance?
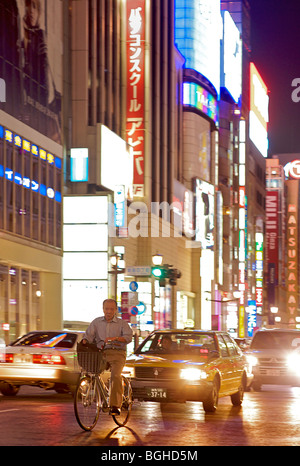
(46, 359)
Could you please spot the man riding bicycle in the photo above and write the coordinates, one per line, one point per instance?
(111, 334)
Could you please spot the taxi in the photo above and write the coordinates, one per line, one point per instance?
(188, 365)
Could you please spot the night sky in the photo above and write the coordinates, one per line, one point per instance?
(275, 40)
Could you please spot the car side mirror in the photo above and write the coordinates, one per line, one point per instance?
(214, 354)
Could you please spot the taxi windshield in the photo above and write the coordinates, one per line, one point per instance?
(275, 340)
(178, 343)
(47, 340)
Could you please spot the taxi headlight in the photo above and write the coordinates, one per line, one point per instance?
(293, 362)
(252, 360)
(192, 374)
(128, 371)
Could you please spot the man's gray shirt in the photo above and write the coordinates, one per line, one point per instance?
(99, 329)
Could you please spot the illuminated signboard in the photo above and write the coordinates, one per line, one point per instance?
(259, 111)
(272, 209)
(26, 182)
(242, 228)
(292, 250)
(79, 164)
(204, 213)
(198, 31)
(199, 98)
(85, 259)
(231, 60)
(259, 251)
(135, 111)
(116, 162)
(252, 317)
(292, 169)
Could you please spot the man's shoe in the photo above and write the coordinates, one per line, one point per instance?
(114, 411)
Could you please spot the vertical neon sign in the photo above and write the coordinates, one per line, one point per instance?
(135, 117)
(242, 227)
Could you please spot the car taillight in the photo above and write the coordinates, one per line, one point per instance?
(48, 359)
(9, 357)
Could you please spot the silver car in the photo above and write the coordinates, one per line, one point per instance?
(45, 359)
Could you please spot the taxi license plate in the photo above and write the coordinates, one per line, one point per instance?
(156, 393)
(23, 358)
(274, 372)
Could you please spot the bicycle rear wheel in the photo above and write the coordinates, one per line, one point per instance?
(126, 404)
(87, 402)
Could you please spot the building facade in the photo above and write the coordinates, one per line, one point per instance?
(31, 169)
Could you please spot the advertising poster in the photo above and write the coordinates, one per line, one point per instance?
(31, 63)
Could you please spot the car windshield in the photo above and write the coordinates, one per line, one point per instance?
(178, 343)
(275, 340)
(47, 340)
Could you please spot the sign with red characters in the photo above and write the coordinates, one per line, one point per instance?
(135, 113)
(292, 250)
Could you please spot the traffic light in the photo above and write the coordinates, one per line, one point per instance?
(157, 271)
(173, 275)
(163, 272)
(160, 272)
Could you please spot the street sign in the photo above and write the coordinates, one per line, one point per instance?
(138, 271)
(133, 286)
(134, 311)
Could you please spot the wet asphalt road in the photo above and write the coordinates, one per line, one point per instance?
(267, 418)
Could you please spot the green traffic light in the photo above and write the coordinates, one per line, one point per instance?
(157, 272)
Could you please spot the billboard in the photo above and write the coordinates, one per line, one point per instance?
(85, 259)
(31, 63)
(231, 58)
(259, 111)
(135, 111)
(204, 213)
(272, 218)
(196, 96)
(292, 281)
(198, 31)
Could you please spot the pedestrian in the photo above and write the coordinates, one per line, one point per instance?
(111, 334)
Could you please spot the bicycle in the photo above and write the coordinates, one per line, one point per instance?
(92, 393)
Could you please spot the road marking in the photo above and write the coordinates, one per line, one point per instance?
(8, 410)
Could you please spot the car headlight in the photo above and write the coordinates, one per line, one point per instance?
(252, 360)
(192, 374)
(128, 371)
(293, 362)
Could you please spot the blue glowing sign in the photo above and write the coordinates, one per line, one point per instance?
(252, 317)
(30, 184)
(198, 31)
(79, 164)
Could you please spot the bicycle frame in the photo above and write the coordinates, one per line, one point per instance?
(92, 396)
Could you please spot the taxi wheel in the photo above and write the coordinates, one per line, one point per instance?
(211, 403)
(8, 390)
(237, 398)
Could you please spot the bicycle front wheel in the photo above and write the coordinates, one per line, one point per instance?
(122, 419)
(87, 402)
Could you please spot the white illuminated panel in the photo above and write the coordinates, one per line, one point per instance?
(198, 31)
(259, 111)
(79, 164)
(85, 258)
(85, 265)
(85, 238)
(82, 300)
(258, 134)
(85, 209)
(116, 161)
(231, 75)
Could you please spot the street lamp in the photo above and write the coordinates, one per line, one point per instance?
(157, 259)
